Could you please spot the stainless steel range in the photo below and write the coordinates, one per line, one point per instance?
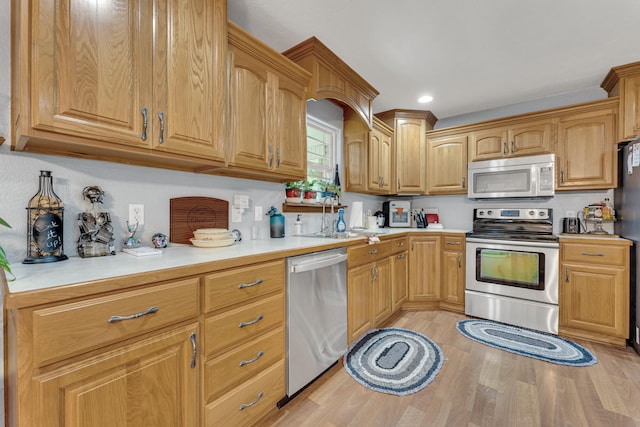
(512, 268)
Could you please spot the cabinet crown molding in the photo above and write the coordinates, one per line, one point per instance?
(614, 75)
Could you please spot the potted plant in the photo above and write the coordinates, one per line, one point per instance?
(4, 262)
(310, 191)
(293, 191)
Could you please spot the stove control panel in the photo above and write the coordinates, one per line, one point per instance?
(519, 214)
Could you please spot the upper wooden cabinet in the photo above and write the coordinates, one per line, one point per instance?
(409, 168)
(586, 147)
(132, 82)
(268, 111)
(447, 163)
(367, 155)
(518, 139)
(624, 81)
(333, 78)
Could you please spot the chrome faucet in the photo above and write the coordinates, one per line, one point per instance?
(323, 226)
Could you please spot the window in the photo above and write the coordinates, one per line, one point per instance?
(321, 150)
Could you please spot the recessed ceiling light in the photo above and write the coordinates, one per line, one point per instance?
(424, 99)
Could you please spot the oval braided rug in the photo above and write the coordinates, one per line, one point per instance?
(526, 342)
(393, 360)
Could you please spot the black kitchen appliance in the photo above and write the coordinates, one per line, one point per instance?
(571, 225)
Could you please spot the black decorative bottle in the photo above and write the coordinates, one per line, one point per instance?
(45, 218)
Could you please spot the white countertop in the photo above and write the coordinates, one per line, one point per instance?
(75, 270)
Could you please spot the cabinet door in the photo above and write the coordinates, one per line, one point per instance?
(586, 152)
(379, 162)
(291, 143)
(151, 382)
(410, 156)
(189, 78)
(529, 139)
(453, 279)
(399, 278)
(447, 165)
(355, 155)
(488, 144)
(359, 281)
(382, 286)
(630, 108)
(90, 68)
(424, 269)
(384, 165)
(594, 299)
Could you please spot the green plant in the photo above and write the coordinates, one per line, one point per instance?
(332, 188)
(4, 262)
(309, 184)
(293, 185)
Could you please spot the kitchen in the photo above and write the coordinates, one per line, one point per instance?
(154, 187)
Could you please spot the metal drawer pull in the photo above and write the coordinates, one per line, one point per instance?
(247, 405)
(258, 356)
(373, 252)
(150, 310)
(400, 244)
(161, 117)
(248, 285)
(253, 322)
(588, 254)
(453, 243)
(195, 349)
(401, 256)
(145, 122)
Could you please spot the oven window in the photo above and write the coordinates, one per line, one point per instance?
(510, 268)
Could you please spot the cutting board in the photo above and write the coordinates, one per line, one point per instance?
(188, 214)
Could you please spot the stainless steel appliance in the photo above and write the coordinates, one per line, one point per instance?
(627, 205)
(397, 213)
(516, 177)
(571, 225)
(316, 315)
(512, 268)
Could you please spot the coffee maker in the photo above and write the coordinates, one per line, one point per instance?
(571, 225)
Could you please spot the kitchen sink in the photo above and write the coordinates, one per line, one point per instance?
(345, 235)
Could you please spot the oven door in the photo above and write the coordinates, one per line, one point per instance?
(524, 270)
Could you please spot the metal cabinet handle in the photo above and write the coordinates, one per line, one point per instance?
(398, 183)
(145, 123)
(374, 273)
(412, 244)
(401, 256)
(381, 181)
(373, 251)
(452, 243)
(463, 183)
(247, 405)
(248, 285)
(400, 244)
(513, 148)
(252, 322)
(566, 274)
(504, 148)
(277, 157)
(562, 177)
(150, 310)
(459, 261)
(270, 162)
(161, 117)
(258, 356)
(195, 349)
(590, 254)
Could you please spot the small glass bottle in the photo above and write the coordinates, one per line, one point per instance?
(45, 218)
(341, 226)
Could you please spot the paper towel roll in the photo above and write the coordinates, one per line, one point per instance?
(355, 219)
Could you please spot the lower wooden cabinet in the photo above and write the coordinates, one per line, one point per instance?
(594, 290)
(453, 272)
(424, 269)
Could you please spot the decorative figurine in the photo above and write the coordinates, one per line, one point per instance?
(45, 218)
(131, 241)
(96, 231)
(159, 241)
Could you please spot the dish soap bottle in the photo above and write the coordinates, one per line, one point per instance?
(341, 226)
(276, 223)
(297, 226)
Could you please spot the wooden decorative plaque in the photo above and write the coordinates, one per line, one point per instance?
(188, 214)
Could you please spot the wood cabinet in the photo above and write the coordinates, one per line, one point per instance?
(409, 127)
(453, 272)
(399, 273)
(120, 359)
(424, 269)
(447, 163)
(624, 82)
(369, 287)
(586, 156)
(268, 112)
(132, 82)
(367, 154)
(244, 335)
(524, 138)
(594, 289)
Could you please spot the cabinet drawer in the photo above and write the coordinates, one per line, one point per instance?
(594, 254)
(261, 393)
(233, 327)
(367, 253)
(453, 243)
(240, 284)
(399, 245)
(73, 328)
(245, 362)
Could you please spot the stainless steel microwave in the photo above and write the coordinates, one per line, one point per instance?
(516, 177)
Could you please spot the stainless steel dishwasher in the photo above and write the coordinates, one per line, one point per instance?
(316, 315)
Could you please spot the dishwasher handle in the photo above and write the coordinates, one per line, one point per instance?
(314, 264)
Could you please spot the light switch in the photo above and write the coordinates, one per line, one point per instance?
(258, 214)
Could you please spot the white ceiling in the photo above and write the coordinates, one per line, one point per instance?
(471, 55)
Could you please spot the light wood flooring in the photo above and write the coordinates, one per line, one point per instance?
(479, 386)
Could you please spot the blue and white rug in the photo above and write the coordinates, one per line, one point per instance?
(526, 342)
(393, 360)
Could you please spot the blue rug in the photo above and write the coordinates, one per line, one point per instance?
(526, 342)
(394, 361)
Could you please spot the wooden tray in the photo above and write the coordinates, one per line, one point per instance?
(188, 214)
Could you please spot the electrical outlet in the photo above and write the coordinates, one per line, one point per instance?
(136, 214)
